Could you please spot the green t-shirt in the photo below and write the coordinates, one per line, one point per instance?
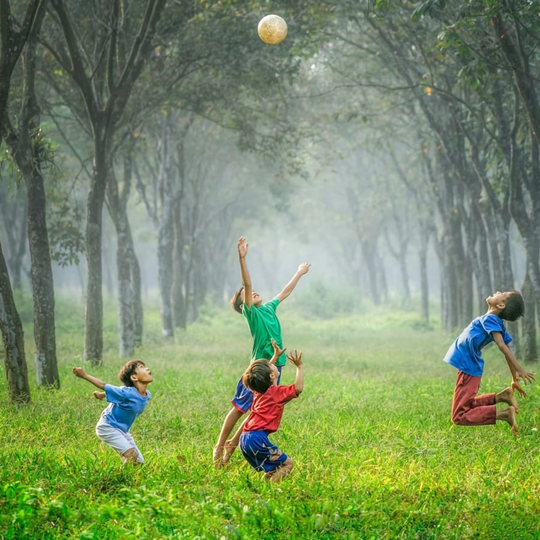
(263, 325)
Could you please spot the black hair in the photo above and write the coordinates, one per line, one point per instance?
(514, 307)
(127, 370)
(257, 376)
(236, 300)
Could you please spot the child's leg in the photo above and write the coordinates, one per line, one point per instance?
(242, 400)
(135, 455)
(228, 425)
(469, 410)
(122, 442)
(232, 444)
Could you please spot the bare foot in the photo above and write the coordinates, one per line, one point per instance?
(507, 396)
(217, 456)
(509, 415)
(229, 450)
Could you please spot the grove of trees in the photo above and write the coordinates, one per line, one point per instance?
(399, 138)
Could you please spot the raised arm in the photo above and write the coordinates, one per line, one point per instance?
(246, 278)
(296, 359)
(277, 351)
(79, 372)
(513, 365)
(289, 288)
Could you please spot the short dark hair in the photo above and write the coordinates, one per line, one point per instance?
(127, 370)
(257, 376)
(236, 300)
(514, 307)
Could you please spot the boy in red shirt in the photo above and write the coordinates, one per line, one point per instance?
(269, 400)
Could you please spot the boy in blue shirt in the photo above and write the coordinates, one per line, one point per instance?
(264, 327)
(126, 403)
(468, 409)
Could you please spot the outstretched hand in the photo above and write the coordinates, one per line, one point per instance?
(99, 395)
(78, 371)
(527, 378)
(277, 351)
(304, 268)
(295, 358)
(242, 247)
(517, 387)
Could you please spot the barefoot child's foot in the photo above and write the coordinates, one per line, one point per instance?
(230, 447)
(509, 415)
(507, 396)
(217, 456)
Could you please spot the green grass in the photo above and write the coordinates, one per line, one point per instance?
(375, 453)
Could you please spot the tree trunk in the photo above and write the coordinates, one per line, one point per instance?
(27, 150)
(13, 337)
(42, 282)
(528, 323)
(124, 256)
(424, 283)
(371, 265)
(165, 262)
(138, 314)
(93, 335)
(166, 232)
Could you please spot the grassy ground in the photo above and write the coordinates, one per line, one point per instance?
(376, 455)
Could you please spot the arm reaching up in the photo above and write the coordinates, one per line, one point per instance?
(513, 365)
(289, 288)
(79, 372)
(296, 359)
(277, 351)
(246, 278)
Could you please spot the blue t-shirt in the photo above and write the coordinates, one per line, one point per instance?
(125, 405)
(465, 353)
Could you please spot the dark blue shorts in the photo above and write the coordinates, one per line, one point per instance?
(260, 453)
(243, 398)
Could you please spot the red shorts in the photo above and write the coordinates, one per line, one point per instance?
(467, 408)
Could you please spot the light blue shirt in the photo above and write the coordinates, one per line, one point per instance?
(465, 353)
(125, 405)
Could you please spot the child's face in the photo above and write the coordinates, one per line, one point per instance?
(143, 374)
(256, 298)
(274, 376)
(498, 300)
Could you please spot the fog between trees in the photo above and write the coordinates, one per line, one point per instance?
(395, 147)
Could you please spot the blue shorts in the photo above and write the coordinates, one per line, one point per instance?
(243, 398)
(260, 453)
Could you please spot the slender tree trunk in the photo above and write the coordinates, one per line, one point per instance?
(528, 323)
(93, 336)
(13, 337)
(166, 233)
(124, 256)
(424, 283)
(42, 282)
(370, 262)
(138, 314)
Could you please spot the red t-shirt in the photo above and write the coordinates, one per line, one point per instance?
(267, 408)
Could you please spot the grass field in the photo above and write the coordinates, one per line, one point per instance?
(375, 453)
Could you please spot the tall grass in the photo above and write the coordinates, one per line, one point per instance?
(375, 453)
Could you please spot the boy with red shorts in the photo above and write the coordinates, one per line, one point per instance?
(468, 409)
(268, 403)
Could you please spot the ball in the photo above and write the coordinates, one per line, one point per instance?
(272, 29)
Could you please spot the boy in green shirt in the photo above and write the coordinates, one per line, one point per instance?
(264, 327)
